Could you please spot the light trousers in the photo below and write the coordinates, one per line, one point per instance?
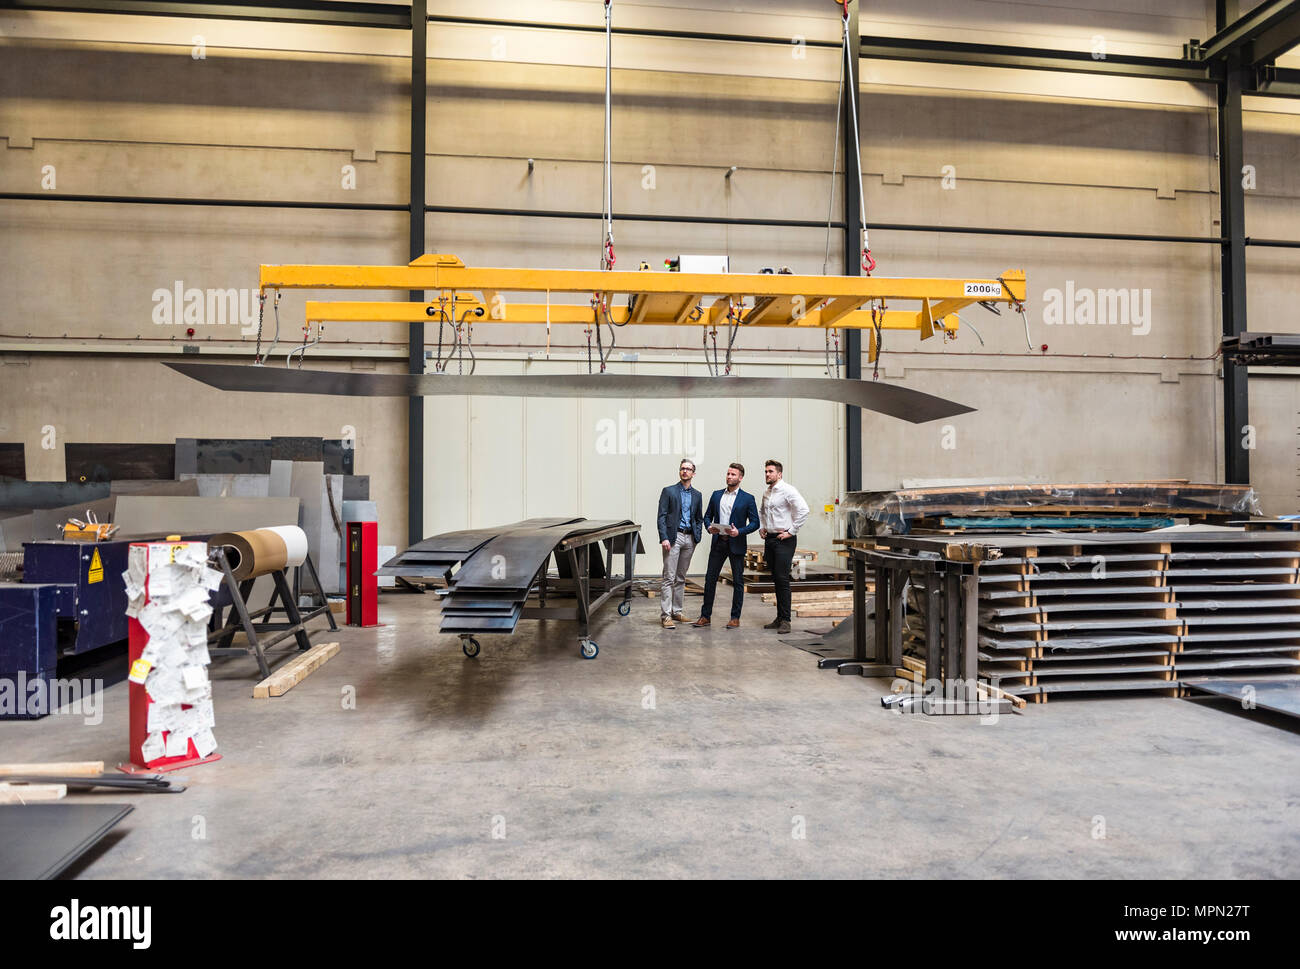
(676, 562)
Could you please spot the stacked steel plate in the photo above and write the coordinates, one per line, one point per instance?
(1111, 612)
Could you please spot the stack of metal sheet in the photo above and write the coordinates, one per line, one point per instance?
(491, 571)
(1113, 612)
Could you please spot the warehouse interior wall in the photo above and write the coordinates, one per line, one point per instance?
(169, 107)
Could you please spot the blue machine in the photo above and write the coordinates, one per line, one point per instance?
(28, 646)
(72, 599)
(91, 594)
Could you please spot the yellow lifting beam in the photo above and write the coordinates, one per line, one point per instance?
(657, 298)
(502, 312)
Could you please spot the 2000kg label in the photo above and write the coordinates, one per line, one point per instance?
(983, 289)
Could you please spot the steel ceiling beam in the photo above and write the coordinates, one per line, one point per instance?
(853, 202)
(1262, 35)
(415, 336)
(1232, 216)
(628, 31)
(1028, 58)
(314, 12)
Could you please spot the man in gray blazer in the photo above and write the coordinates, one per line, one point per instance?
(681, 518)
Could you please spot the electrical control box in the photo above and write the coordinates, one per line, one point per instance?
(698, 264)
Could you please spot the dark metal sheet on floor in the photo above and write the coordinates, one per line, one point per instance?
(882, 398)
(1279, 694)
(38, 841)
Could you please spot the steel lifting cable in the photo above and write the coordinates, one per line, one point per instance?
(835, 166)
(599, 303)
(607, 258)
(440, 365)
(868, 264)
(302, 350)
(1019, 306)
(464, 334)
(832, 359)
(733, 328)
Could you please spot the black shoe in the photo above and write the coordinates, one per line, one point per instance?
(774, 624)
(783, 628)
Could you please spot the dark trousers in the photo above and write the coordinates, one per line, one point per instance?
(719, 553)
(778, 553)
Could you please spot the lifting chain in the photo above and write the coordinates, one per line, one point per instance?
(258, 357)
(878, 328)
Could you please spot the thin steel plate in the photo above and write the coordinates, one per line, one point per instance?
(901, 402)
(1281, 694)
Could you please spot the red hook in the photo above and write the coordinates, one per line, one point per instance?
(868, 263)
(609, 253)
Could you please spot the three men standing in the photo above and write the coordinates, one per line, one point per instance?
(681, 516)
(731, 516)
(782, 515)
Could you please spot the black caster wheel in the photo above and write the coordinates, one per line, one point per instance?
(589, 649)
(624, 607)
(471, 647)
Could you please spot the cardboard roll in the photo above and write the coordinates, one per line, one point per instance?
(262, 550)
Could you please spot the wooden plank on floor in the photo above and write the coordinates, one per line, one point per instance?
(31, 793)
(295, 671)
(78, 768)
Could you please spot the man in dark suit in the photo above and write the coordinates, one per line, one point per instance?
(732, 514)
(681, 518)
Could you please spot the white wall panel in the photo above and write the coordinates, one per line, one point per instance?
(537, 457)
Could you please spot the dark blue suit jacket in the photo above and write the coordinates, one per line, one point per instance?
(670, 513)
(744, 515)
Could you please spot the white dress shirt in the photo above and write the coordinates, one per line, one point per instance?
(784, 509)
(725, 504)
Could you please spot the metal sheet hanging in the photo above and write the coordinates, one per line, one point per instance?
(893, 401)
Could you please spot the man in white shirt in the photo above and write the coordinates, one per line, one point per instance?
(781, 514)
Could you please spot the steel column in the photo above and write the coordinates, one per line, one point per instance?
(852, 256)
(1236, 458)
(415, 337)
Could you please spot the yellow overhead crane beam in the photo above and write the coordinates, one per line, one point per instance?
(656, 298)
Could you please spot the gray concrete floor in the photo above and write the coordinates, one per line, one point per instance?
(530, 761)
